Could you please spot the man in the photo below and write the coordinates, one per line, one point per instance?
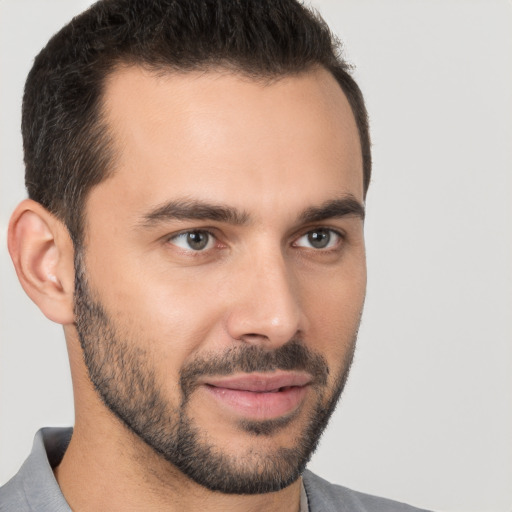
(197, 172)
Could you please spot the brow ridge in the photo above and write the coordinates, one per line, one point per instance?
(194, 210)
(181, 209)
(347, 206)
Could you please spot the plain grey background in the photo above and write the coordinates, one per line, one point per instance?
(427, 415)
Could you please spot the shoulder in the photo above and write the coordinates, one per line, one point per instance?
(326, 497)
(34, 487)
(12, 497)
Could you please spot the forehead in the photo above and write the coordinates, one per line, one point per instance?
(222, 137)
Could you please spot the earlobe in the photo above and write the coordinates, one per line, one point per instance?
(42, 252)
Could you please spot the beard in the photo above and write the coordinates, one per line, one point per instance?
(121, 371)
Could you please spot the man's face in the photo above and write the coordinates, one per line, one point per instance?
(223, 273)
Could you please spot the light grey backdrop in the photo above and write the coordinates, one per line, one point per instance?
(427, 415)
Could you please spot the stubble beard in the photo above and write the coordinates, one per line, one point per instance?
(122, 375)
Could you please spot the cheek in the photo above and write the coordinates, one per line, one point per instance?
(169, 314)
(333, 309)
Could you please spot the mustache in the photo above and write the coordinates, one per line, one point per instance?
(293, 355)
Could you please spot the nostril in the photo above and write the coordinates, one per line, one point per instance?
(253, 337)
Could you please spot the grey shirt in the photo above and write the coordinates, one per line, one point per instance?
(34, 488)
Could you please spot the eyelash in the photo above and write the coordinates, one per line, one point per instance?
(211, 235)
(189, 250)
(340, 236)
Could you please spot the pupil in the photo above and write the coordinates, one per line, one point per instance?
(319, 239)
(197, 240)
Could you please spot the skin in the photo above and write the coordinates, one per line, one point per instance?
(269, 151)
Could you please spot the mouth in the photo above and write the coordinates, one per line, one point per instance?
(260, 396)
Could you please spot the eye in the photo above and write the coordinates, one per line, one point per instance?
(321, 238)
(193, 240)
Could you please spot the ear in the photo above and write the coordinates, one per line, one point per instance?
(42, 252)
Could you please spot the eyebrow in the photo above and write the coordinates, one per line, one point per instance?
(200, 210)
(347, 206)
(194, 210)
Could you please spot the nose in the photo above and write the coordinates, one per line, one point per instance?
(266, 307)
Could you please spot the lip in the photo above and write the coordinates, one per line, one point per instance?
(260, 396)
